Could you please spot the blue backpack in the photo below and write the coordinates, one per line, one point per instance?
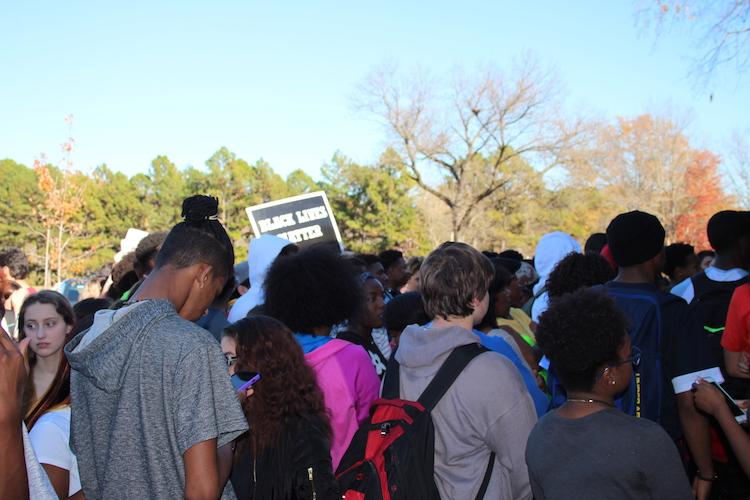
(643, 397)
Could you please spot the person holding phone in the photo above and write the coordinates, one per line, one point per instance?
(287, 453)
(710, 399)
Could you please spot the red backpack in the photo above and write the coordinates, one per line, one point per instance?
(391, 456)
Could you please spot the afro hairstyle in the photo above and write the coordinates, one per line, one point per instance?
(579, 333)
(576, 271)
(313, 288)
(16, 261)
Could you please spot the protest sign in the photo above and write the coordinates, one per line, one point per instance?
(305, 220)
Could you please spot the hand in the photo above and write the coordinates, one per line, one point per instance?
(701, 488)
(744, 362)
(15, 369)
(248, 392)
(708, 398)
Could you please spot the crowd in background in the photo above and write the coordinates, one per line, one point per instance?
(579, 373)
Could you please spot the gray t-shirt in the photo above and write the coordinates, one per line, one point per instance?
(146, 385)
(605, 455)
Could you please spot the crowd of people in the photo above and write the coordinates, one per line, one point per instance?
(306, 373)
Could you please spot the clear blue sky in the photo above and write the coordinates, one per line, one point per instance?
(276, 79)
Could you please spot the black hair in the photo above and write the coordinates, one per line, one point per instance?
(725, 228)
(501, 280)
(368, 258)
(359, 265)
(123, 276)
(389, 257)
(84, 313)
(595, 243)
(706, 253)
(146, 249)
(490, 254)
(404, 310)
(313, 288)
(16, 261)
(511, 254)
(576, 271)
(675, 256)
(579, 333)
(200, 237)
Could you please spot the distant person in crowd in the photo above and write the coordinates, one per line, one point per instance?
(550, 250)
(85, 310)
(515, 318)
(706, 258)
(508, 342)
(595, 243)
(394, 265)
(375, 267)
(367, 317)
(286, 454)
(736, 338)
(660, 325)
(680, 262)
(47, 319)
(310, 292)
(229, 348)
(710, 400)
(585, 337)
(476, 417)
(262, 252)
(412, 269)
(527, 277)
(145, 259)
(14, 265)
(123, 278)
(729, 235)
(576, 271)
(511, 254)
(403, 310)
(155, 414)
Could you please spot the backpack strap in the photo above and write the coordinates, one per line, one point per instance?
(486, 478)
(448, 373)
(391, 381)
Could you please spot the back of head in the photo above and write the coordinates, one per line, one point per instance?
(675, 256)
(199, 238)
(404, 310)
(579, 333)
(389, 257)
(146, 250)
(84, 312)
(511, 254)
(578, 271)
(453, 276)
(551, 249)
(500, 282)
(16, 261)
(123, 276)
(635, 237)
(595, 243)
(726, 228)
(315, 288)
(263, 251)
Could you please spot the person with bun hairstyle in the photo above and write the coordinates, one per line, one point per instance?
(287, 453)
(155, 414)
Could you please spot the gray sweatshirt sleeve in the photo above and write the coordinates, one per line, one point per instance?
(662, 467)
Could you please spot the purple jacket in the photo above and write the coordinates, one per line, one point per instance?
(349, 383)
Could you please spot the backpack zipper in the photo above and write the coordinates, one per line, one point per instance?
(312, 482)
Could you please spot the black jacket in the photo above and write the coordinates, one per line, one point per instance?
(297, 467)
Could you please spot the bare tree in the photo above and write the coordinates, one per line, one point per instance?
(739, 167)
(457, 140)
(722, 29)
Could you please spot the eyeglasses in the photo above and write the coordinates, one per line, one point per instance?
(634, 358)
(230, 358)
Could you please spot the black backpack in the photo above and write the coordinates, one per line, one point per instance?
(709, 308)
(391, 456)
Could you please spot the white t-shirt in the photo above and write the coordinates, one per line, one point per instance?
(685, 288)
(50, 438)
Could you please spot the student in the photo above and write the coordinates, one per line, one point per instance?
(404, 310)
(706, 258)
(736, 338)
(262, 252)
(595, 243)
(578, 271)
(550, 250)
(145, 259)
(155, 413)
(394, 265)
(310, 292)
(286, 454)
(487, 409)
(368, 317)
(711, 401)
(587, 448)
(680, 262)
(412, 269)
(515, 318)
(229, 348)
(660, 326)
(15, 267)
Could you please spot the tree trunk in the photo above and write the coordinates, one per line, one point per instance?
(47, 270)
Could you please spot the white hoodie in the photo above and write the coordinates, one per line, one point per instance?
(261, 254)
(551, 249)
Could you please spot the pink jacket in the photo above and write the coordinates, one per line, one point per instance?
(349, 383)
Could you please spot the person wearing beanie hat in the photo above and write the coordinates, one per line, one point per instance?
(666, 341)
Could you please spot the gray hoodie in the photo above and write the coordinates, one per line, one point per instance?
(487, 409)
(146, 385)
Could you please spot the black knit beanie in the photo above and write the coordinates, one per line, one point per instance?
(635, 237)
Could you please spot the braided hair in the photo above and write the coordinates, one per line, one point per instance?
(200, 237)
